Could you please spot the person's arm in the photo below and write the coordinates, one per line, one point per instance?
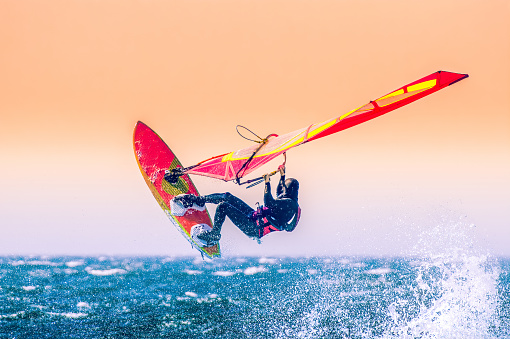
(268, 197)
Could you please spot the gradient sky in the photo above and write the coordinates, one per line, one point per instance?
(76, 76)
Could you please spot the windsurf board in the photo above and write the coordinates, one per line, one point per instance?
(155, 159)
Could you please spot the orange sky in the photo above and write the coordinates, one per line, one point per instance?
(75, 76)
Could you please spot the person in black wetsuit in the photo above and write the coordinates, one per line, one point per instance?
(280, 214)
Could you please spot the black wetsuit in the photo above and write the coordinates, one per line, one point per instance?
(281, 213)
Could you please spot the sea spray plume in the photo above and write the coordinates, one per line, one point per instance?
(454, 294)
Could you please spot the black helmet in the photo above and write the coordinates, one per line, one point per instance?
(288, 189)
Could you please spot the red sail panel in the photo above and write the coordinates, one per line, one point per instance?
(230, 166)
(396, 99)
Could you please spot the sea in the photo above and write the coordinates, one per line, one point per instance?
(452, 292)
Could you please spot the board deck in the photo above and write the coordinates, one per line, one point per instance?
(154, 157)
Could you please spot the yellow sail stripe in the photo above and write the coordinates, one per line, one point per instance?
(422, 85)
(228, 157)
(320, 127)
(349, 113)
(413, 88)
(286, 145)
(294, 141)
(399, 92)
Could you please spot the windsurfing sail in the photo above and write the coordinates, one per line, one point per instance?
(237, 164)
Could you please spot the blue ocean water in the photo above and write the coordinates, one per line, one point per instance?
(447, 287)
(248, 297)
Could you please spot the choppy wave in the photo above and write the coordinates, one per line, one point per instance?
(447, 288)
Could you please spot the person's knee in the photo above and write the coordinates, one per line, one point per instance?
(222, 207)
(227, 197)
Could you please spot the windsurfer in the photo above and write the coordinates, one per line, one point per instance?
(278, 214)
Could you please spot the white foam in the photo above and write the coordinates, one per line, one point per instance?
(378, 271)
(29, 288)
(75, 263)
(71, 315)
(224, 273)
(105, 272)
(74, 315)
(465, 281)
(191, 294)
(267, 261)
(83, 304)
(254, 270)
(357, 265)
(193, 272)
(12, 316)
(352, 294)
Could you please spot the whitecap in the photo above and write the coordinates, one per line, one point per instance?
(191, 294)
(83, 304)
(71, 315)
(358, 265)
(193, 272)
(75, 263)
(200, 261)
(254, 270)
(105, 272)
(282, 270)
(12, 316)
(267, 261)
(352, 294)
(224, 273)
(312, 271)
(74, 315)
(167, 259)
(29, 288)
(382, 270)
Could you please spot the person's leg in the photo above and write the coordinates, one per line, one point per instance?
(240, 218)
(217, 198)
(235, 209)
(189, 199)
